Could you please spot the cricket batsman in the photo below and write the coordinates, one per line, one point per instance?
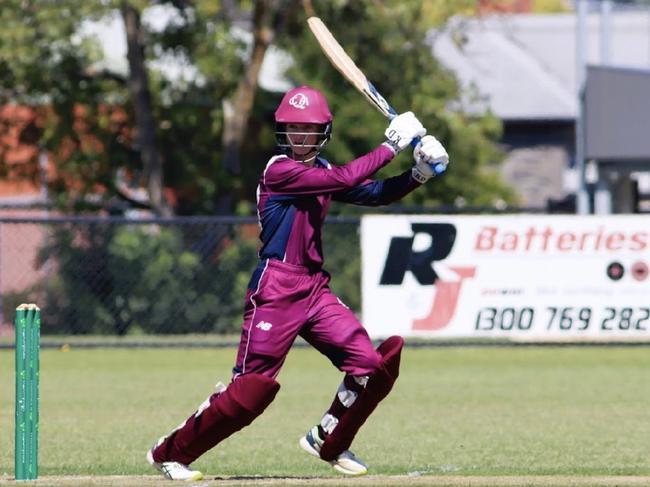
(288, 294)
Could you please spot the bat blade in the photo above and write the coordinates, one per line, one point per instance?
(347, 67)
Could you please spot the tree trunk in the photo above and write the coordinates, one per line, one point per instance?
(138, 83)
(237, 110)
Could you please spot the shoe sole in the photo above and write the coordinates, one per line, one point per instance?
(194, 478)
(347, 472)
(305, 445)
(197, 476)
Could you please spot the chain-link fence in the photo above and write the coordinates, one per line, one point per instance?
(118, 276)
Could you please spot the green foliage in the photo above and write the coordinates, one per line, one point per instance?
(45, 64)
(45, 61)
(10, 301)
(551, 6)
(85, 118)
(143, 279)
(388, 42)
(88, 125)
(190, 109)
(152, 262)
(342, 256)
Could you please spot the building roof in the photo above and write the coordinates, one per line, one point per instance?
(524, 65)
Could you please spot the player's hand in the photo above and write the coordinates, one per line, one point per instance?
(402, 130)
(431, 159)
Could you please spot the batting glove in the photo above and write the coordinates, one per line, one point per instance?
(402, 130)
(431, 159)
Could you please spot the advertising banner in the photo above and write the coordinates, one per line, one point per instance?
(520, 277)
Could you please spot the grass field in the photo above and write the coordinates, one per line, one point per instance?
(457, 416)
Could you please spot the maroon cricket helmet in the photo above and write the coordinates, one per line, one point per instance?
(303, 105)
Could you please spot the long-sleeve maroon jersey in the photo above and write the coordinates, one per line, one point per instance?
(293, 199)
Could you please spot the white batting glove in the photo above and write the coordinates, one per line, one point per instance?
(431, 159)
(402, 130)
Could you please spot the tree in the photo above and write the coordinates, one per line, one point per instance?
(138, 83)
(97, 122)
(45, 65)
(237, 109)
(228, 69)
(388, 40)
(190, 133)
(192, 128)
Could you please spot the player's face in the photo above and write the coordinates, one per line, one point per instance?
(303, 138)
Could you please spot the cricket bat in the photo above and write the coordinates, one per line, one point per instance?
(346, 66)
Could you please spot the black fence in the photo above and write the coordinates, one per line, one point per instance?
(117, 276)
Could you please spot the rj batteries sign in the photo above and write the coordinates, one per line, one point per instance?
(520, 277)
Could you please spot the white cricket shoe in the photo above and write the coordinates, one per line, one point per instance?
(346, 462)
(173, 470)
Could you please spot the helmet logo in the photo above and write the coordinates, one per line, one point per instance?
(299, 101)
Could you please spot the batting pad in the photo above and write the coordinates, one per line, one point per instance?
(379, 385)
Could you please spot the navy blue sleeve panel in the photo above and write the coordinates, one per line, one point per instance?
(378, 193)
(276, 220)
